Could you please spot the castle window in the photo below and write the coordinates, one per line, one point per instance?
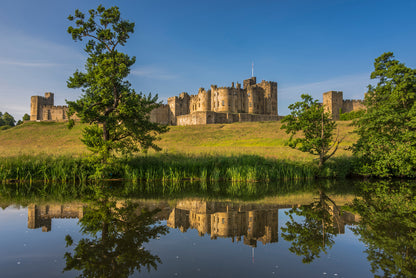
(248, 94)
(250, 104)
(223, 103)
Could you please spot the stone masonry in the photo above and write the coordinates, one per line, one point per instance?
(250, 103)
(42, 109)
(335, 104)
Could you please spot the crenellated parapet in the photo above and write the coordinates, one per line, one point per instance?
(335, 104)
(43, 109)
(253, 98)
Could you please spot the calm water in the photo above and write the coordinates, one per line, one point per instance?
(280, 237)
(196, 239)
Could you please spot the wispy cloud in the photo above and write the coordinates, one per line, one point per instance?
(31, 65)
(153, 73)
(17, 63)
(21, 49)
(353, 87)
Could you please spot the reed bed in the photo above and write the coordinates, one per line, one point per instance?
(242, 168)
(164, 168)
(44, 168)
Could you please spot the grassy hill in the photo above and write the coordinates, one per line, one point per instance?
(260, 138)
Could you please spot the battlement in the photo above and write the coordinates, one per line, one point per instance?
(43, 109)
(334, 104)
(224, 99)
(218, 104)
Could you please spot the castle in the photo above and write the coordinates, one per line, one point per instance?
(253, 102)
(335, 104)
(42, 109)
(248, 223)
(250, 103)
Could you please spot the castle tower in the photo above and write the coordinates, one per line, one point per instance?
(204, 100)
(178, 106)
(37, 103)
(332, 102)
(223, 99)
(249, 82)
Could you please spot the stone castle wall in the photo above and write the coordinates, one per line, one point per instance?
(160, 114)
(43, 109)
(335, 104)
(37, 103)
(225, 104)
(352, 105)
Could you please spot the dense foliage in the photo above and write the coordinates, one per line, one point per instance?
(116, 237)
(387, 131)
(314, 233)
(388, 227)
(6, 121)
(351, 115)
(316, 127)
(119, 117)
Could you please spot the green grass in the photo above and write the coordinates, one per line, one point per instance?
(264, 139)
(239, 152)
(166, 169)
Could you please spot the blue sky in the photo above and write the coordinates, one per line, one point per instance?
(309, 46)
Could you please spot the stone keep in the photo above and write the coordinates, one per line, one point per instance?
(335, 104)
(42, 109)
(252, 102)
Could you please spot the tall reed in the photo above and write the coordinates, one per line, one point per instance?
(165, 168)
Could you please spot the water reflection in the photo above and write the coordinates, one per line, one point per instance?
(313, 233)
(115, 234)
(240, 222)
(41, 216)
(388, 227)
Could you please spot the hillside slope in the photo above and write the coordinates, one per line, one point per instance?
(259, 138)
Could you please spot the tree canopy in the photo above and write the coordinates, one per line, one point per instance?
(387, 131)
(26, 117)
(116, 235)
(388, 227)
(119, 117)
(314, 234)
(314, 127)
(6, 120)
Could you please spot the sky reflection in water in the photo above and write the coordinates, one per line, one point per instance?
(193, 238)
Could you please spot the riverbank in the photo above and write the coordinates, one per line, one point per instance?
(167, 167)
(239, 152)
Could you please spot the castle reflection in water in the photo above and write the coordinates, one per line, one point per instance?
(249, 223)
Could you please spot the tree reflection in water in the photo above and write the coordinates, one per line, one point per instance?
(313, 233)
(388, 227)
(116, 234)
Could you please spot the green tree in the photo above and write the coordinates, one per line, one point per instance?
(115, 236)
(387, 131)
(388, 227)
(314, 234)
(1, 119)
(8, 119)
(26, 117)
(315, 126)
(119, 117)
